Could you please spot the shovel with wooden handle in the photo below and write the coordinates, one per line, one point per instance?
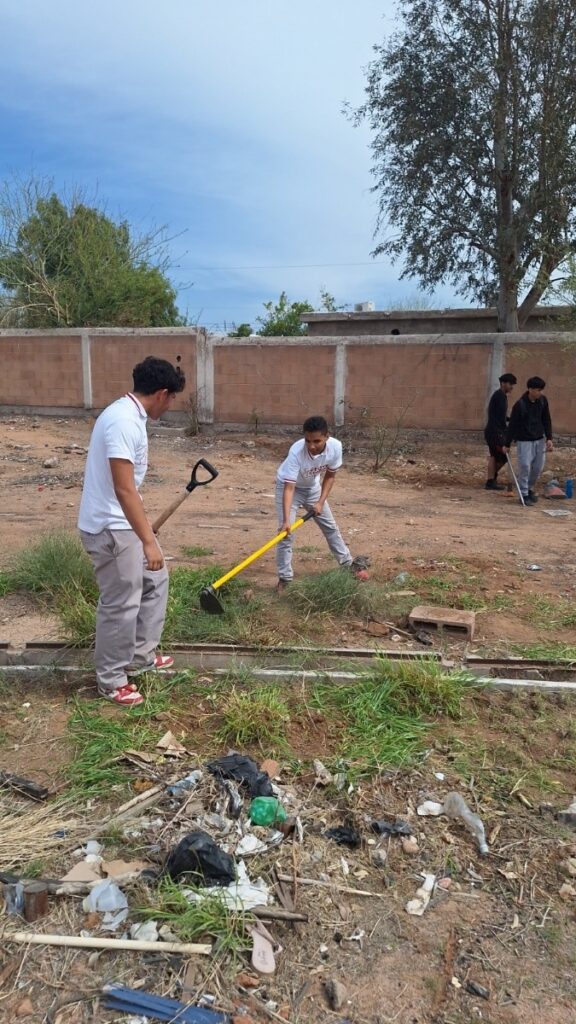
(194, 482)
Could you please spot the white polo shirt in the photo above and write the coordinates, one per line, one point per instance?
(119, 433)
(303, 469)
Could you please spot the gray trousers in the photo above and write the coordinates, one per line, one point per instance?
(531, 459)
(131, 607)
(305, 497)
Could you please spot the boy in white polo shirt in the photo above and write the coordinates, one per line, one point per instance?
(298, 485)
(115, 531)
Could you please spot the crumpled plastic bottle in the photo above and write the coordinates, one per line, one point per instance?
(455, 806)
(266, 810)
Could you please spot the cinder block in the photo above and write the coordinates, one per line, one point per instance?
(445, 620)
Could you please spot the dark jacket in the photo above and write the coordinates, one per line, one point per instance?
(495, 429)
(529, 421)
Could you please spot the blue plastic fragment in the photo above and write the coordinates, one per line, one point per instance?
(129, 1000)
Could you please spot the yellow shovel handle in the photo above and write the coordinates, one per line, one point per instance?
(261, 551)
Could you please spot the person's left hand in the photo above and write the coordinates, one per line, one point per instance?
(549, 445)
(317, 508)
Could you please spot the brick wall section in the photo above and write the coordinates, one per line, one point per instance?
(41, 370)
(556, 364)
(418, 385)
(113, 358)
(284, 384)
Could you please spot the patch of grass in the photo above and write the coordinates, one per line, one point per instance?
(209, 917)
(549, 613)
(33, 869)
(195, 551)
(50, 566)
(187, 623)
(546, 651)
(336, 592)
(307, 549)
(387, 715)
(254, 716)
(100, 740)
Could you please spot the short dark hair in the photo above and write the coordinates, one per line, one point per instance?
(315, 424)
(154, 374)
(536, 382)
(508, 378)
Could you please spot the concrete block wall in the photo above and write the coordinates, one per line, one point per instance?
(420, 381)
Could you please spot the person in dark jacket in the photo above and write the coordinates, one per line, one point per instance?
(531, 427)
(495, 430)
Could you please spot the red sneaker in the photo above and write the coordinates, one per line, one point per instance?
(160, 664)
(126, 696)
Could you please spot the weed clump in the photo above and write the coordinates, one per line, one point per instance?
(387, 715)
(336, 592)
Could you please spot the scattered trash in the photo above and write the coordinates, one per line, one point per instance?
(241, 894)
(568, 816)
(126, 1000)
(379, 858)
(569, 488)
(197, 854)
(185, 785)
(424, 638)
(430, 808)
(145, 930)
(106, 898)
(455, 807)
(270, 767)
(50, 463)
(14, 898)
(556, 512)
(534, 567)
(552, 489)
(24, 786)
(170, 746)
(418, 905)
(323, 776)
(266, 810)
(250, 844)
(402, 577)
(344, 835)
(391, 828)
(336, 993)
(410, 845)
(243, 770)
(477, 990)
(262, 957)
(440, 776)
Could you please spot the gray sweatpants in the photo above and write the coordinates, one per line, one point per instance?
(531, 459)
(131, 607)
(305, 497)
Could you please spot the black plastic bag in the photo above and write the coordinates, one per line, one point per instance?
(344, 835)
(391, 828)
(243, 770)
(197, 854)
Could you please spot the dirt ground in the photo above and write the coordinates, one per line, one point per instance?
(425, 510)
(501, 923)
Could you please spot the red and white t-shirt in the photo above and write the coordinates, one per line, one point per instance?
(303, 469)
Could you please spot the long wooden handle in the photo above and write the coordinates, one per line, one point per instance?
(90, 942)
(261, 551)
(169, 511)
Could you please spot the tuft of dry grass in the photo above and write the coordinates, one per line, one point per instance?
(32, 832)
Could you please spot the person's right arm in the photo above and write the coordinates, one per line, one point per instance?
(131, 503)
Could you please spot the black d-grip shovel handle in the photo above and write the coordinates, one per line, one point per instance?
(195, 482)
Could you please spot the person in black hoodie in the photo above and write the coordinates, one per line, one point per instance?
(495, 430)
(530, 426)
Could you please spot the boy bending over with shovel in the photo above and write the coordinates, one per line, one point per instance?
(298, 486)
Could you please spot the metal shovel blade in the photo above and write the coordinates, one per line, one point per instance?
(210, 602)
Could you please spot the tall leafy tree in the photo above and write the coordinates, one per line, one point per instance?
(472, 106)
(66, 263)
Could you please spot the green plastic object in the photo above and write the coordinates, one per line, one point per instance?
(266, 810)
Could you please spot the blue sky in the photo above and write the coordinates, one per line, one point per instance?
(221, 120)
